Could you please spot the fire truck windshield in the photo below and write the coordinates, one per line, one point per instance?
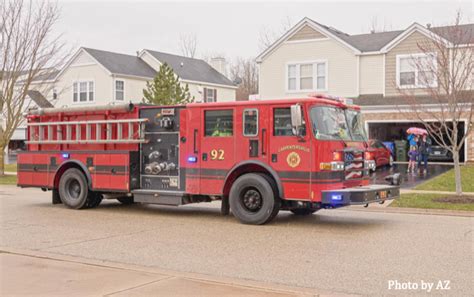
(356, 126)
(333, 123)
(329, 123)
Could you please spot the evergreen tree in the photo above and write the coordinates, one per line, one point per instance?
(165, 89)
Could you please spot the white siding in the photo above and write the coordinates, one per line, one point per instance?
(223, 94)
(342, 68)
(102, 83)
(371, 74)
(133, 89)
(83, 58)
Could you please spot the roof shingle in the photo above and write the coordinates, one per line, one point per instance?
(192, 69)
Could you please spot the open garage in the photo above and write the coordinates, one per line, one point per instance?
(389, 131)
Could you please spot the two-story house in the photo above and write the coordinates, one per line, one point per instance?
(371, 68)
(101, 77)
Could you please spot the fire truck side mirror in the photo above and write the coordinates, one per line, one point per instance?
(296, 117)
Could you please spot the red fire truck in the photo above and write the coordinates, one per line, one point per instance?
(258, 157)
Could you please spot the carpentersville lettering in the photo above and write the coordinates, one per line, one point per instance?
(293, 147)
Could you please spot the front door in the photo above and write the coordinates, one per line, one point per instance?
(217, 153)
(290, 155)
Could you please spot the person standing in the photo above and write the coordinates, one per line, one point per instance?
(424, 148)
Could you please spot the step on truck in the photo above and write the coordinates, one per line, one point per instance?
(257, 157)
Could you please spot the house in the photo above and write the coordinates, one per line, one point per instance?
(371, 68)
(96, 77)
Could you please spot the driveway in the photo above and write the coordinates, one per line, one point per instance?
(409, 180)
(343, 251)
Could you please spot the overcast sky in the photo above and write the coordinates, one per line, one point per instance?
(231, 28)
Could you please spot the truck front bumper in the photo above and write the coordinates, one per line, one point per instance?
(359, 195)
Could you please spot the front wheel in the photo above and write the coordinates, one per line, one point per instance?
(253, 199)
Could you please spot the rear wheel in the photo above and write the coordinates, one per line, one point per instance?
(253, 199)
(303, 211)
(73, 189)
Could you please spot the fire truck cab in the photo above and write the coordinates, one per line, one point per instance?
(258, 157)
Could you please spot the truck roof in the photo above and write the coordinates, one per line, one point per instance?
(321, 101)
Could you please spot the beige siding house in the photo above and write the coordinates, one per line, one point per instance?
(374, 69)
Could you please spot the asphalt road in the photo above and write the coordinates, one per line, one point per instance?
(336, 250)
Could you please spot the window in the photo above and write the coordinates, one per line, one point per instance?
(219, 123)
(83, 91)
(307, 76)
(416, 71)
(251, 122)
(119, 90)
(282, 123)
(210, 95)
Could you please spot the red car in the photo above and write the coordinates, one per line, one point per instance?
(382, 155)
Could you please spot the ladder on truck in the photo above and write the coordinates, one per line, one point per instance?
(83, 132)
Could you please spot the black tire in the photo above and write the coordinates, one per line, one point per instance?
(303, 211)
(125, 200)
(73, 189)
(253, 200)
(272, 182)
(94, 200)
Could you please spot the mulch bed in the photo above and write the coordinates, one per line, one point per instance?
(455, 199)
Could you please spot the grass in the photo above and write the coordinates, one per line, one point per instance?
(426, 201)
(8, 180)
(10, 167)
(445, 181)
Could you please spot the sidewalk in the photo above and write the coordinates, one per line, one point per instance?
(35, 273)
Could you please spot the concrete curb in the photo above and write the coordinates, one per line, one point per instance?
(407, 210)
(216, 280)
(409, 191)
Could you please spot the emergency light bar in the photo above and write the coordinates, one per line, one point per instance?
(346, 101)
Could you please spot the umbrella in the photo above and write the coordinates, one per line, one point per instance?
(416, 131)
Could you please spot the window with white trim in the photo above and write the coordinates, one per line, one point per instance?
(83, 91)
(416, 71)
(119, 90)
(210, 95)
(311, 76)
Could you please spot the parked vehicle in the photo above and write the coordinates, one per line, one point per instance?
(382, 155)
(438, 153)
(258, 157)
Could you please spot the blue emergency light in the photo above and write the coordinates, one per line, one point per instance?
(336, 197)
(192, 159)
(65, 155)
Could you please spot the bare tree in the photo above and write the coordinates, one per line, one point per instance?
(188, 44)
(377, 26)
(268, 36)
(245, 73)
(447, 69)
(28, 51)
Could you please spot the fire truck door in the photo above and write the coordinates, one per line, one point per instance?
(217, 148)
(252, 134)
(290, 155)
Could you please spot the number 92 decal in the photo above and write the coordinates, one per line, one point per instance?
(217, 155)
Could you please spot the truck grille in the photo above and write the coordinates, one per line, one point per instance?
(353, 164)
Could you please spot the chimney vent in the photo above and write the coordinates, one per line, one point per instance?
(219, 64)
(428, 25)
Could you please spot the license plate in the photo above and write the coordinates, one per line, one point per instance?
(437, 153)
(383, 195)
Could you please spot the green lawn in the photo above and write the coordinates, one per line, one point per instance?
(445, 181)
(425, 201)
(8, 180)
(10, 167)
